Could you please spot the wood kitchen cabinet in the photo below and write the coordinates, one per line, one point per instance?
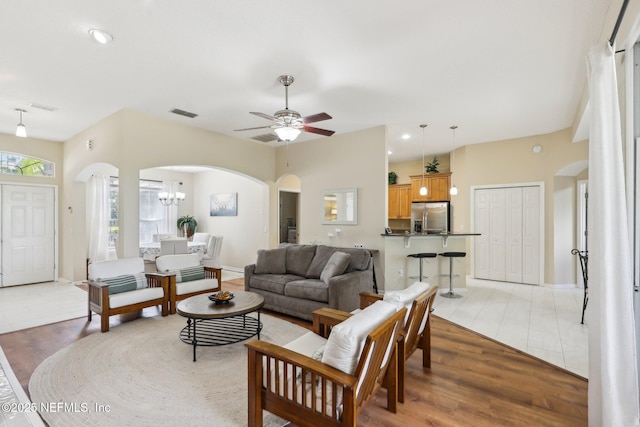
(438, 185)
(400, 201)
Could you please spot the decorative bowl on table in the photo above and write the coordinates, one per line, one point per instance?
(222, 297)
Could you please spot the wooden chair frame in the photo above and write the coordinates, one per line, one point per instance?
(98, 300)
(209, 273)
(357, 390)
(421, 306)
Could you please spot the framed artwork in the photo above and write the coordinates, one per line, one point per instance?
(224, 204)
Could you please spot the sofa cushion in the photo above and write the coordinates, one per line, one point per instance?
(405, 297)
(272, 282)
(320, 259)
(189, 274)
(271, 261)
(311, 289)
(135, 297)
(346, 339)
(196, 286)
(125, 283)
(337, 264)
(298, 258)
(115, 267)
(360, 258)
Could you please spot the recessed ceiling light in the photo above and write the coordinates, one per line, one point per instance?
(406, 136)
(101, 36)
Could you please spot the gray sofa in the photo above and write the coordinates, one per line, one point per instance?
(298, 279)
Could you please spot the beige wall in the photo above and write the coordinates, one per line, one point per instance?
(414, 167)
(513, 162)
(560, 164)
(132, 141)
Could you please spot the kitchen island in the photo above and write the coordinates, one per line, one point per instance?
(401, 271)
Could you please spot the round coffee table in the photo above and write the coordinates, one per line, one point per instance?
(212, 324)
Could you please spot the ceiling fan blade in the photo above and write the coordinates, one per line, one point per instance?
(318, 130)
(316, 118)
(259, 127)
(265, 116)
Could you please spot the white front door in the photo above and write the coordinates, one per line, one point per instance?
(28, 234)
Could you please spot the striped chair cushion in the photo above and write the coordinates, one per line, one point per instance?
(125, 283)
(188, 274)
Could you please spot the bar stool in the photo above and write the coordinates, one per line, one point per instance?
(422, 256)
(451, 256)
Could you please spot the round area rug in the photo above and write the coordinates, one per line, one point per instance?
(141, 374)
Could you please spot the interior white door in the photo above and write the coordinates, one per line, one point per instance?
(497, 234)
(509, 221)
(531, 235)
(28, 234)
(513, 237)
(481, 225)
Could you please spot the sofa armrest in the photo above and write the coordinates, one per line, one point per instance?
(248, 272)
(160, 280)
(344, 290)
(368, 298)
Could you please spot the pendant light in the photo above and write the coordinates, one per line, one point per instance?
(453, 190)
(21, 129)
(423, 189)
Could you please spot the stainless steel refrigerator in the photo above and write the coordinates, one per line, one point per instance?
(430, 217)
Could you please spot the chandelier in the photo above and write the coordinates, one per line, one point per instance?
(168, 198)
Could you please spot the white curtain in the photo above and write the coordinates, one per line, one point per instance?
(98, 224)
(170, 212)
(613, 379)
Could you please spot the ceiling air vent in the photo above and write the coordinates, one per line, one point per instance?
(267, 137)
(183, 113)
(42, 107)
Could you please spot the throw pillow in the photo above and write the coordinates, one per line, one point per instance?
(337, 264)
(188, 274)
(346, 339)
(298, 258)
(271, 261)
(125, 283)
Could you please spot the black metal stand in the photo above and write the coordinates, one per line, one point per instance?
(223, 331)
(584, 264)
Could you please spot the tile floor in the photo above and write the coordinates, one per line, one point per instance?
(541, 321)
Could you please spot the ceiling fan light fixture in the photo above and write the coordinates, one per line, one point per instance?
(287, 134)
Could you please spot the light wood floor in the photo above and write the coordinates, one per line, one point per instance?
(473, 381)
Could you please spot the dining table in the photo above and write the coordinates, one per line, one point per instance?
(151, 250)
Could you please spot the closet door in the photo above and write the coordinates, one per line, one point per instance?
(508, 249)
(531, 235)
(513, 237)
(482, 226)
(28, 234)
(497, 234)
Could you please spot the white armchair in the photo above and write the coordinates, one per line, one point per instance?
(211, 257)
(120, 286)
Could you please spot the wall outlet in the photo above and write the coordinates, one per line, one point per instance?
(401, 273)
(358, 245)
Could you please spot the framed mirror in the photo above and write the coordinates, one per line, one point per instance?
(340, 206)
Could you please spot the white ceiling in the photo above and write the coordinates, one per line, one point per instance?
(498, 69)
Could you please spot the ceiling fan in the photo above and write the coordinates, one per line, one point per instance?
(289, 123)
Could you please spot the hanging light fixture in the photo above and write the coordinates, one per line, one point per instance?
(21, 129)
(169, 198)
(423, 188)
(453, 190)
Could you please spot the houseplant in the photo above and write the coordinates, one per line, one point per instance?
(187, 224)
(393, 178)
(433, 166)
